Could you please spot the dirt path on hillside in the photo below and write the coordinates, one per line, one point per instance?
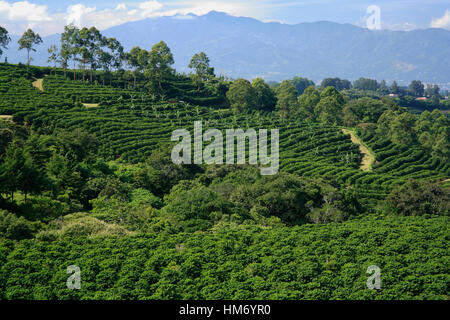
(39, 83)
(369, 158)
(91, 105)
(6, 117)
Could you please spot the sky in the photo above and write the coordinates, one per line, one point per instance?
(50, 16)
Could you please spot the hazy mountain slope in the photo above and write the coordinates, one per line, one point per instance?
(245, 47)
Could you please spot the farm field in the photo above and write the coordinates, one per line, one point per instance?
(103, 194)
(129, 126)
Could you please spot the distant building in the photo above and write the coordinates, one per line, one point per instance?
(393, 95)
(422, 99)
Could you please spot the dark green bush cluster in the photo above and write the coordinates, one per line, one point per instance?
(307, 262)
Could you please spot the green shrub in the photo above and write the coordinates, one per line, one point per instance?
(418, 198)
(13, 227)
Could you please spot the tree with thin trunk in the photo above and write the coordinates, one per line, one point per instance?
(53, 56)
(105, 61)
(160, 62)
(112, 56)
(64, 56)
(117, 52)
(70, 42)
(4, 39)
(417, 88)
(28, 41)
(203, 72)
(83, 60)
(137, 59)
(93, 41)
(83, 44)
(11, 169)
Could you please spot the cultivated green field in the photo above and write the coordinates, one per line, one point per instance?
(87, 180)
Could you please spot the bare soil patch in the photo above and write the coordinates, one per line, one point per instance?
(91, 105)
(369, 157)
(6, 117)
(39, 83)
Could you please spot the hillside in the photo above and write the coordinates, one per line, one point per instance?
(86, 179)
(245, 47)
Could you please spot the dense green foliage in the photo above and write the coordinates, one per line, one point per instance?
(247, 262)
(94, 186)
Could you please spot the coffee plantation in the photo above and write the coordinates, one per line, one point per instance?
(86, 179)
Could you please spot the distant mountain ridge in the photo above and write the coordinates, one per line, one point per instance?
(248, 48)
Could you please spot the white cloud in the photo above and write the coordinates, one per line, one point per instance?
(443, 22)
(121, 7)
(18, 16)
(149, 7)
(76, 14)
(23, 11)
(83, 16)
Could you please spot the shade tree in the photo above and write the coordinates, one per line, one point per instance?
(366, 84)
(329, 108)
(137, 60)
(394, 88)
(70, 44)
(18, 172)
(111, 55)
(242, 96)
(53, 56)
(287, 99)
(160, 61)
(337, 83)
(432, 90)
(265, 96)
(28, 41)
(398, 126)
(417, 88)
(4, 39)
(301, 84)
(307, 102)
(203, 71)
(63, 57)
(91, 41)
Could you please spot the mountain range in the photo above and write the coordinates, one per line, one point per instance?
(248, 48)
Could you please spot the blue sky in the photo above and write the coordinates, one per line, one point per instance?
(49, 16)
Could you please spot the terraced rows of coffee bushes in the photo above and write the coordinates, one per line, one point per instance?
(178, 89)
(129, 125)
(18, 94)
(83, 92)
(401, 162)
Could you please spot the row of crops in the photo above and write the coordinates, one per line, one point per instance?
(130, 125)
(18, 94)
(84, 92)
